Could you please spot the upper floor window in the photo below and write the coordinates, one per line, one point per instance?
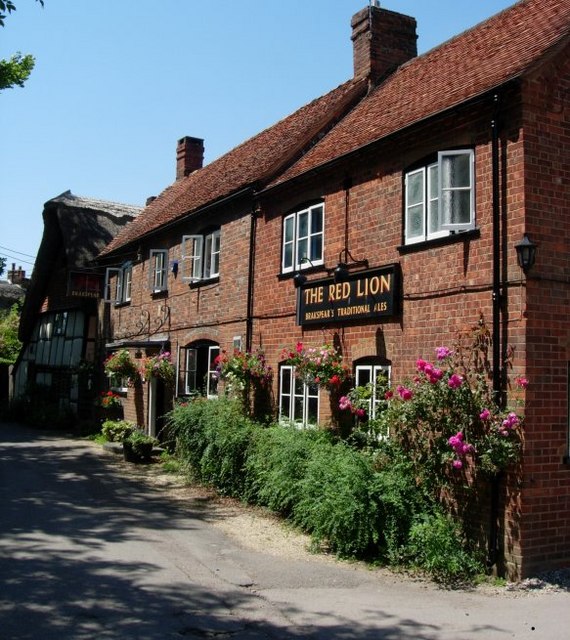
(440, 197)
(303, 233)
(371, 375)
(201, 256)
(298, 401)
(119, 289)
(157, 272)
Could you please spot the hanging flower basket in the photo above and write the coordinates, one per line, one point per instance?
(121, 364)
(159, 366)
(243, 367)
(317, 365)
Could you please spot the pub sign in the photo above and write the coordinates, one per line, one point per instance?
(84, 285)
(365, 295)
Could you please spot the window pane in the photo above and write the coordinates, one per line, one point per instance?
(289, 227)
(362, 376)
(317, 220)
(456, 171)
(302, 250)
(215, 264)
(286, 381)
(288, 256)
(456, 206)
(128, 276)
(415, 221)
(434, 224)
(303, 225)
(415, 188)
(313, 411)
(316, 248)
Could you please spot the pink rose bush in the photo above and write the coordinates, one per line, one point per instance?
(445, 419)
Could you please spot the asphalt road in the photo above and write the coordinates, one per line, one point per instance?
(86, 553)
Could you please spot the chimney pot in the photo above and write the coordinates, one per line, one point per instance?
(189, 156)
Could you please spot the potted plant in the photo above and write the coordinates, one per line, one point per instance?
(117, 430)
(137, 446)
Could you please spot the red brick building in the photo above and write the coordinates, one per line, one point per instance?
(415, 181)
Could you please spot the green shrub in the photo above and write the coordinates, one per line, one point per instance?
(436, 546)
(400, 500)
(186, 426)
(214, 436)
(276, 465)
(117, 430)
(337, 504)
(229, 436)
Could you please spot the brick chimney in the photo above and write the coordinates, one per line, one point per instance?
(189, 156)
(16, 276)
(382, 41)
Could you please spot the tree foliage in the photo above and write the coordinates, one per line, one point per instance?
(17, 69)
(9, 343)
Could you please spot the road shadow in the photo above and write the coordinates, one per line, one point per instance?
(62, 504)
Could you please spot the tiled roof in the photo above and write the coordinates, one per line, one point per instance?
(474, 62)
(255, 161)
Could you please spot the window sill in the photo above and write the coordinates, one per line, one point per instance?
(159, 294)
(453, 238)
(122, 391)
(123, 303)
(289, 275)
(204, 283)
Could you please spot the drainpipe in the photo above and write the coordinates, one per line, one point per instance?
(493, 550)
(497, 392)
(250, 276)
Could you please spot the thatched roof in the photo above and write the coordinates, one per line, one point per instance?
(76, 229)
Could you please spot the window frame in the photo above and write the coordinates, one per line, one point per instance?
(374, 371)
(432, 204)
(158, 271)
(123, 287)
(291, 260)
(308, 393)
(203, 260)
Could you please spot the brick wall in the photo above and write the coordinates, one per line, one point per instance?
(213, 310)
(545, 507)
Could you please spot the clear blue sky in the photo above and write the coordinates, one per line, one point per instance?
(117, 83)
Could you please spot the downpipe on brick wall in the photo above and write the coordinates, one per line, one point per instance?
(493, 550)
(250, 277)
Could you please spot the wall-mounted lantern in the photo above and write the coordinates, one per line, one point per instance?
(299, 279)
(526, 253)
